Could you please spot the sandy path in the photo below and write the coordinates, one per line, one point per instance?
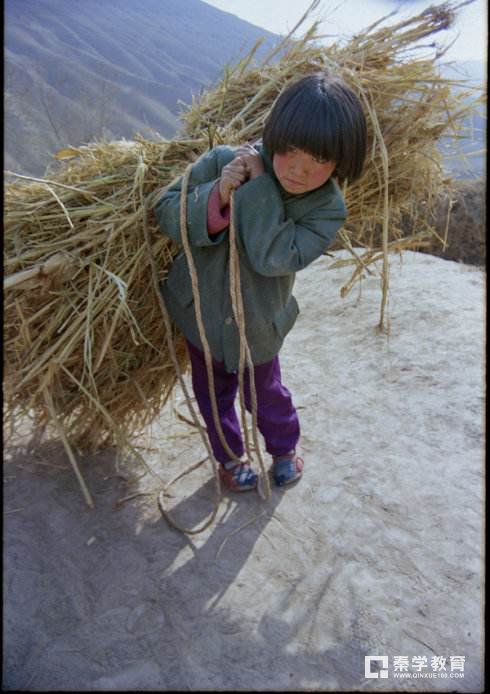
(376, 552)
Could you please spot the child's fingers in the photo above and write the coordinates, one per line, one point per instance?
(239, 165)
(232, 177)
(232, 182)
(237, 172)
(226, 185)
(244, 150)
(235, 178)
(251, 159)
(241, 160)
(229, 182)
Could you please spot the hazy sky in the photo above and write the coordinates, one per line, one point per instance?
(344, 17)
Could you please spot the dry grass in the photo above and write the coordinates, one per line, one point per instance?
(409, 107)
(85, 344)
(82, 323)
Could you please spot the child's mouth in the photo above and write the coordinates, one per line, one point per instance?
(291, 182)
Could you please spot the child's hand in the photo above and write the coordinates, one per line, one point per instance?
(246, 164)
(252, 159)
(232, 176)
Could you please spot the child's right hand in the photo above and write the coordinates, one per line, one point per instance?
(232, 176)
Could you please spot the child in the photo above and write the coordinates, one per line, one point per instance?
(288, 209)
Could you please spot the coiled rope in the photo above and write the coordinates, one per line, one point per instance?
(245, 357)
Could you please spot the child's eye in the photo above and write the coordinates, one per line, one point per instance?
(320, 160)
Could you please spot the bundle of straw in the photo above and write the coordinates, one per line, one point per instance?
(409, 106)
(85, 345)
(83, 333)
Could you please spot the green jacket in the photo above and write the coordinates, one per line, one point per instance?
(277, 235)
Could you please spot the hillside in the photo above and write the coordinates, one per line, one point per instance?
(76, 71)
(467, 159)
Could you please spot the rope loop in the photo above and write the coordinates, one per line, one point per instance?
(245, 357)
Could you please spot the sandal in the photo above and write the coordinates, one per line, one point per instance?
(287, 469)
(238, 476)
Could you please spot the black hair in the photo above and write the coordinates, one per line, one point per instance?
(323, 116)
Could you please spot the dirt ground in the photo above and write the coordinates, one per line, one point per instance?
(377, 551)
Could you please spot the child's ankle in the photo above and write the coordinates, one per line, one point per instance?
(230, 464)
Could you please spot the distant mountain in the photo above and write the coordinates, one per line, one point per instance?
(472, 70)
(76, 70)
(467, 159)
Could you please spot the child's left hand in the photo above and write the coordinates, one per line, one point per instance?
(252, 160)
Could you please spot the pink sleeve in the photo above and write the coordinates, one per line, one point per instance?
(218, 219)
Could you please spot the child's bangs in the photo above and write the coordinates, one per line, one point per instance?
(312, 128)
(322, 116)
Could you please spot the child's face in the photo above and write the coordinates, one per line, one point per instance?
(299, 172)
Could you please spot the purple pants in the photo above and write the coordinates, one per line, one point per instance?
(277, 419)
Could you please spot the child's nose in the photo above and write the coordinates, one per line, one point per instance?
(299, 165)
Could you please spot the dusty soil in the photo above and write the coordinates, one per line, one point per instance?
(377, 551)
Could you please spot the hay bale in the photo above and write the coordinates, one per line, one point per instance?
(81, 321)
(85, 346)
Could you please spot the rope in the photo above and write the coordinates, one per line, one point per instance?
(168, 333)
(245, 356)
(239, 312)
(197, 307)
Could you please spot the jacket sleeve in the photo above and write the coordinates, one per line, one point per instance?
(204, 175)
(277, 245)
(218, 218)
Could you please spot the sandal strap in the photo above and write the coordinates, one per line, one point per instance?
(239, 474)
(287, 468)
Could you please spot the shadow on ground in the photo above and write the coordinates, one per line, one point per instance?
(113, 598)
